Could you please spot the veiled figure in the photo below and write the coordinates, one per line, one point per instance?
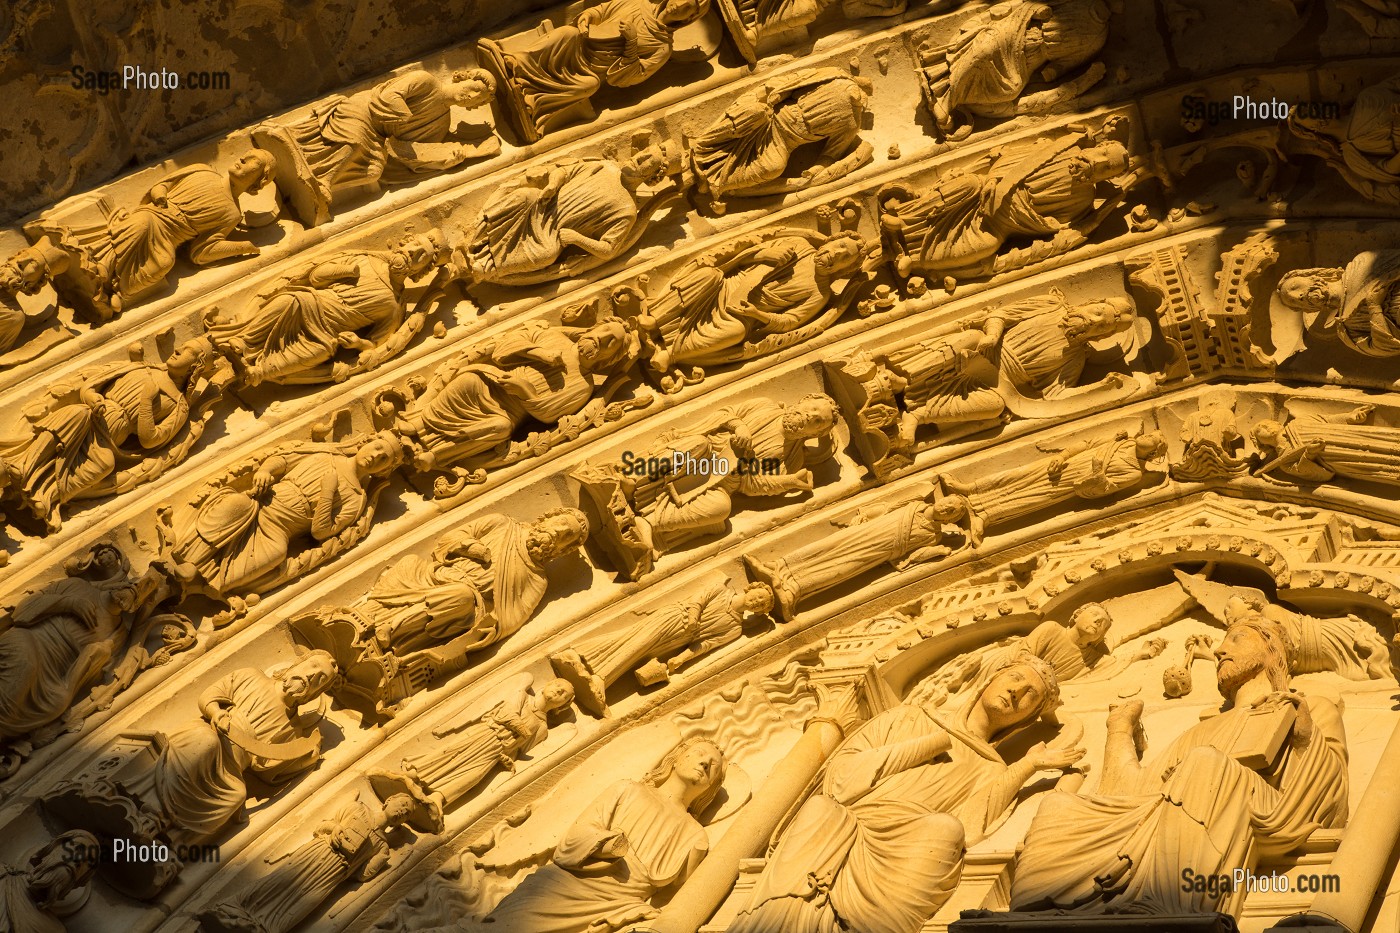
(992, 62)
(56, 643)
(108, 431)
(240, 537)
(352, 844)
(52, 883)
(1048, 189)
(745, 152)
(879, 847)
(1360, 302)
(1082, 470)
(1312, 449)
(548, 78)
(1365, 147)
(635, 839)
(591, 207)
(1219, 798)
(395, 132)
(353, 301)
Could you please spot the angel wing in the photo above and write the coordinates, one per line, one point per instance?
(1213, 596)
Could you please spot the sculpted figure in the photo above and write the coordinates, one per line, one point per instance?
(1312, 449)
(1222, 796)
(926, 529)
(1380, 18)
(566, 220)
(250, 725)
(880, 846)
(352, 845)
(1364, 148)
(422, 618)
(51, 884)
(1047, 191)
(271, 518)
(540, 372)
(756, 448)
(994, 59)
(25, 273)
(130, 255)
(1017, 356)
(300, 331)
(393, 133)
(1360, 302)
(745, 152)
(547, 78)
(110, 430)
(56, 644)
(718, 307)
(635, 840)
(666, 641)
(470, 751)
(1082, 470)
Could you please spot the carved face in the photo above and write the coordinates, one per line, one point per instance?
(254, 168)
(1106, 161)
(648, 166)
(1014, 695)
(681, 12)
(1151, 446)
(699, 766)
(950, 508)
(1311, 290)
(1268, 434)
(22, 273)
(377, 457)
(1097, 320)
(1091, 624)
(470, 92)
(552, 536)
(838, 257)
(811, 417)
(557, 694)
(602, 345)
(397, 809)
(1241, 656)
(758, 599)
(309, 677)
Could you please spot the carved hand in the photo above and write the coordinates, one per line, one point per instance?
(1125, 717)
(262, 482)
(1048, 758)
(1303, 725)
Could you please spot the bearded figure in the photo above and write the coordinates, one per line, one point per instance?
(25, 273)
(52, 883)
(1320, 448)
(1359, 302)
(1364, 148)
(1248, 784)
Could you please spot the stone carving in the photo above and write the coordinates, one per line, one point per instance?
(58, 642)
(635, 840)
(303, 330)
(1380, 18)
(930, 528)
(422, 618)
(1263, 774)
(1364, 148)
(470, 751)
(129, 253)
(1081, 470)
(353, 844)
(988, 68)
(879, 847)
(685, 485)
(755, 296)
(110, 429)
(758, 26)
(52, 883)
(396, 132)
(745, 152)
(569, 219)
(1046, 191)
(1359, 303)
(1024, 360)
(669, 638)
(196, 780)
(1312, 449)
(1176, 679)
(26, 273)
(1212, 441)
(1348, 646)
(547, 77)
(270, 518)
(561, 378)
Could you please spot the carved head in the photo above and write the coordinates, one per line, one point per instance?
(1099, 319)
(472, 87)
(1268, 434)
(841, 255)
(1091, 623)
(1021, 688)
(1150, 446)
(1176, 681)
(309, 677)
(27, 270)
(397, 809)
(813, 416)
(1311, 289)
(952, 508)
(699, 765)
(556, 694)
(254, 169)
(1252, 645)
(555, 533)
(676, 13)
(103, 562)
(1108, 159)
(758, 598)
(59, 870)
(652, 164)
(192, 356)
(607, 347)
(380, 455)
(417, 253)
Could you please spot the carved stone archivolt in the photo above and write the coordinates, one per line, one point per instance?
(755, 480)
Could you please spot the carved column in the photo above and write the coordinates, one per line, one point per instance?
(838, 713)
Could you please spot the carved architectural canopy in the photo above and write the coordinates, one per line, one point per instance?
(718, 465)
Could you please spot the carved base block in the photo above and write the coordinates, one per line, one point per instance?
(985, 921)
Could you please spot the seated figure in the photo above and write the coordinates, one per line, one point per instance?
(1247, 784)
(546, 78)
(393, 133)
(352, 301)
(745, 152)
(1359, 302)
